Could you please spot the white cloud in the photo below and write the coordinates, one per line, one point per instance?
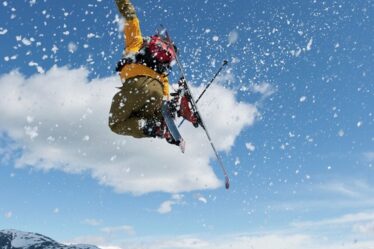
(354, 188)
(8, 214)
(88, 240)
(345, 219)
(245, 241)
(167, 206)
(365, 228)
(110, 247)
(92, 222)
(66, 108)
(333, 194)
(129, 230)
(369, 156)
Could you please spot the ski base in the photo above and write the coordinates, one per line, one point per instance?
(174, 132)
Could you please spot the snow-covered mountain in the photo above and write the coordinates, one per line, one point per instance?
(13, 239)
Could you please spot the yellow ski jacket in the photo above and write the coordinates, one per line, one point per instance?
(134, 42)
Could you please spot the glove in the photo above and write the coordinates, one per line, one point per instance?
(126, 9)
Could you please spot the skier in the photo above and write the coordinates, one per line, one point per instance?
(142, 108)
(136, 108)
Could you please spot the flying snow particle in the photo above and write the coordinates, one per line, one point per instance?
(72, 47)
(233, 37)
(264, 88)
(359, 124)
(29, 119)
(250, 147)
(26, 42)
(309, 45)
(302, 98)
(51, 139)
(215, 38)
(54, 49)
(296, 53)
(341, 133)
(237, 161)
(32, 2)
(38, 68)
(203, 199)
(32, 132)
(3, 31)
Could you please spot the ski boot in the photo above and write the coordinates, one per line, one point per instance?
(154, 128)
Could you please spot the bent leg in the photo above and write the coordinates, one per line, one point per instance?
(139, 99)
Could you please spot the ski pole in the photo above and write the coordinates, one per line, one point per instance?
(225, 62)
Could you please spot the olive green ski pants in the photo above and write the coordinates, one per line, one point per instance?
(139, 100)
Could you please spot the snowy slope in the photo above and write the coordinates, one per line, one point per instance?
(13, 239)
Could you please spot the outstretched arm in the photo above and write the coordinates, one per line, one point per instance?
(133, 34)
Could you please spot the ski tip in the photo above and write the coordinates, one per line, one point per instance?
(182, 145)
(225, 62)
(227, 184)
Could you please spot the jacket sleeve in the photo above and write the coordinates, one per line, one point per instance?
(133, 34)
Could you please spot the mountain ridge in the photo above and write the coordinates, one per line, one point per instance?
(15, 239)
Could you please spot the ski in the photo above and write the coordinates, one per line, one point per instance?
(171, 127)
(185, 92)
(196, 119)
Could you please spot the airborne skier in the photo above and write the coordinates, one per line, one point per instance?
(142, 107)
(136, 109)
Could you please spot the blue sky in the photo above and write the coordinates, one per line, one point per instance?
(292, 117)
